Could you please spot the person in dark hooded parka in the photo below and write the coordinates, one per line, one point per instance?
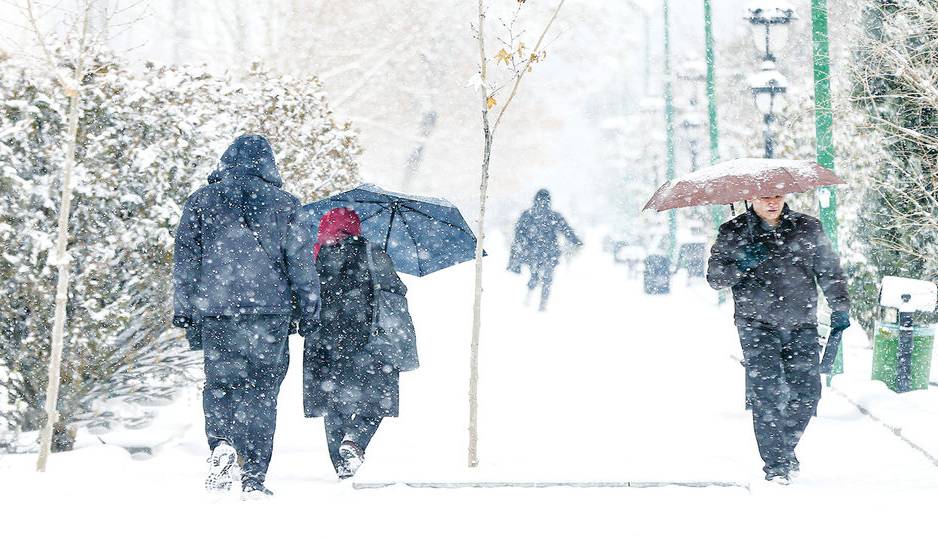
(345, 382)
(241, 270)
(536, 245)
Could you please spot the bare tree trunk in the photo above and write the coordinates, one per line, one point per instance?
(488, 131)
(61, 293)
(72, 90)
(477, 305)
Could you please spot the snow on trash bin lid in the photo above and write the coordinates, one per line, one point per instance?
(924, 294)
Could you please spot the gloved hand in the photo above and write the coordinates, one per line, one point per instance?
(751, 256)
(840, 320)
(182, 321)
(309, 328)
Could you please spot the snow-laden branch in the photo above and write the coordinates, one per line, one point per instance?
(527, 65)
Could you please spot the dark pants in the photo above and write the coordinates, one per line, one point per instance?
(782, 367)
(542, 272)
(355, 427)
(246, 359)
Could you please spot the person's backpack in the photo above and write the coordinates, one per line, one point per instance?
(392, 336)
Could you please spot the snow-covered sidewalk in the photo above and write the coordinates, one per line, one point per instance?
(911, 415)
(610, 385)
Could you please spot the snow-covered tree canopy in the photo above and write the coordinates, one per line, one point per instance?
(895, 88)
(147, 138)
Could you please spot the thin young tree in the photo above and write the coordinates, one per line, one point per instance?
(71, 86)
(519, 60)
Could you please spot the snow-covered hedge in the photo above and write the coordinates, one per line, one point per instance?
(147, 138)
(896, 83)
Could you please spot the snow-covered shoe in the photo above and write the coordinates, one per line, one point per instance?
(221, 467)
(252, 489)
(343, 472)
(794, 468)
(353, 455)
(779, 478)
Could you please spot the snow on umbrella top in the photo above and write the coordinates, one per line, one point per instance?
(741, 179)
(420, 234)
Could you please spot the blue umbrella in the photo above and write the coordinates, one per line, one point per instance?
(421, 234)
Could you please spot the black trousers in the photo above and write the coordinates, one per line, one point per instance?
(783, 370)
(246, 359)
(340, 426)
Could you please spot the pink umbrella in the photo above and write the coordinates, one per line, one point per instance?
(741, 179)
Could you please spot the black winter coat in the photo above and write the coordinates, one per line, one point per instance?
(338, 374)
(241, 246)
(781, 292)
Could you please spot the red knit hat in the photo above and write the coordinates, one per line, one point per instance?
(335, 226)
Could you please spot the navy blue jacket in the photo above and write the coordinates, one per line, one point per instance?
(242, 246)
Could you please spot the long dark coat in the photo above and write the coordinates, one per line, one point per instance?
(338, 374)
(781, 292)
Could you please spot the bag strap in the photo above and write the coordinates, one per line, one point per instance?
(374, 284)
(264, 249)
(281, 266)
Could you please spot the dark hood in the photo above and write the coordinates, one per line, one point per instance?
(248, 155)
(542, 201)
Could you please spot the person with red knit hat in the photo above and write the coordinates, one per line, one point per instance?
(335, 226)
(352, 388)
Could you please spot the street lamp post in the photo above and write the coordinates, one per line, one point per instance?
(773, 21)
(770, 27)
(692, 122)
(768, 89)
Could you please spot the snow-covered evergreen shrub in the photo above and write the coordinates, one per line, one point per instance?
(897, 88)
(147, 139)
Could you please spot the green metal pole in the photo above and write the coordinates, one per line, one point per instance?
(716, 211)
(669, 126)
(824, 121)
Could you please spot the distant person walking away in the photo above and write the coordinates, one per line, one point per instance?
(536, 244)
(241, 262)
(346, 381)
(774, 259)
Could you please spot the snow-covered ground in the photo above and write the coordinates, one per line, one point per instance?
(608, 386)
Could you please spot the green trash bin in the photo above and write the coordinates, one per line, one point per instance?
(886, 367)
(902, 349)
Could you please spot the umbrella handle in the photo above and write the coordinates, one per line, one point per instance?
(830, 351)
